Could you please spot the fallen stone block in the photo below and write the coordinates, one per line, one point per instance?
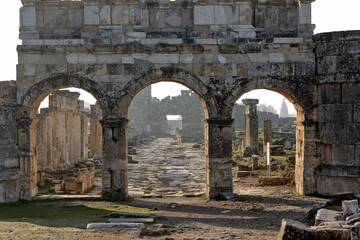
(110, 225)
(243, 173)
(353, 218)
(325, 215)
(131, 220)
(291, 229)
(350, 207)
(355, 231)
(272, 181)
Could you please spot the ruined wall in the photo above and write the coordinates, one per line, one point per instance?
(221, 50)
(9, 162)
(62, 132)
(338, 86)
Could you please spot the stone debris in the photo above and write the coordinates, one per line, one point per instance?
(111, 225)
(350, 207)
(325, 215)
(130, 220)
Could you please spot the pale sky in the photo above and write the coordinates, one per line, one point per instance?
(328, 15)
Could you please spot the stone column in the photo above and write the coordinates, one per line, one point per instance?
(27, 159)
(218, 154)
(114, 179)
(250, 142)
(267, 135)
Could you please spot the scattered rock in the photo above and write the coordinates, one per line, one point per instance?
(243, 173)
(350, 207)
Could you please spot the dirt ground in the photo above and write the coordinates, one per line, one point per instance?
(256, 213)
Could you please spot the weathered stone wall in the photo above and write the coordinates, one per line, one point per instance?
(114, 49)
(9, 162)
(338, 86)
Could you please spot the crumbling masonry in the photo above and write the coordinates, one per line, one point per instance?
(220, 50)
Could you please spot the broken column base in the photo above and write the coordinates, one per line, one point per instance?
(120, 194)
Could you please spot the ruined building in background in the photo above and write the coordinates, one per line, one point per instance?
(148, 115)
(220, 50)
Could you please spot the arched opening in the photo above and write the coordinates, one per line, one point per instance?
(166, 142)
(55, 141)
(69, 144)
(264, 116)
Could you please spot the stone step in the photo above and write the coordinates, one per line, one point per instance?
(131, 220)
(110, 225)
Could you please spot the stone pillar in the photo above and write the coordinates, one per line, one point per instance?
(114, 179)
(251, 136)
(218, 154)
(307, 157)
(267, 135)
(28, 165)
(95, 137)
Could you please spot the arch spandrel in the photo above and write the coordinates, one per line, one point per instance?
(168, 74)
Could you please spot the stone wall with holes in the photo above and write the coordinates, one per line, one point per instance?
(338, 84)
(9, 162)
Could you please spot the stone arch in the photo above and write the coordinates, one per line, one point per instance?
(169, 74)
(27, 122)
(36, 93)
(299, 92)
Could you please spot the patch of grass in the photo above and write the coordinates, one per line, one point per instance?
(60, 215)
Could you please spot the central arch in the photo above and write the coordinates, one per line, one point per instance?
(217, 134)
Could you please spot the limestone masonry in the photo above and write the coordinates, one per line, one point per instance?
(219, 49)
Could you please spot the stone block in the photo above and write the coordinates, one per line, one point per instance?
(305, 13)
(91, 15)
(271, 17)
(157, 18)
(105, 15)
(355, 231)
(350, 207)
(130, 220)
(204, 15)
(28, 17)
(327, 65)
(246, 14)
(325, 215)
(173, 18)
(272, 181)
(225, 14)
(329, 93)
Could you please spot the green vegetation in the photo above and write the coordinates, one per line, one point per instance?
(64, 213)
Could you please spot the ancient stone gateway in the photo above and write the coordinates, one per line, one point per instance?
(114, 49)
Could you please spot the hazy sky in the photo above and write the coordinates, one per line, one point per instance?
(328, 15)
